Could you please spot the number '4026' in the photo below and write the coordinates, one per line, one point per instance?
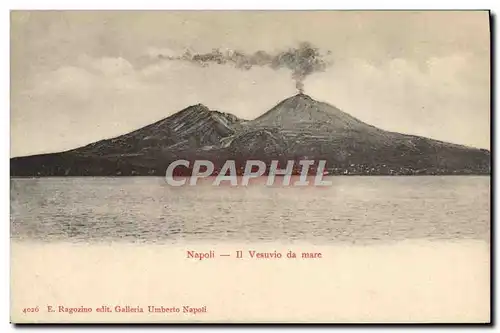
(28, 310)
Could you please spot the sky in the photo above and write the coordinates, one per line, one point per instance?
(82, 76)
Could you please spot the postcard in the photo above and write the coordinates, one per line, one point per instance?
(250, 167)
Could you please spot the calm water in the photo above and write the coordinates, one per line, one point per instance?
(354, 209)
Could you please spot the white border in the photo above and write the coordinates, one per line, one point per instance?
(6, 6)
(255, 4)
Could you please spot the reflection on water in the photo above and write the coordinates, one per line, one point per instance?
(354, 209)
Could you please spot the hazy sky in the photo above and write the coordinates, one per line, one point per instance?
(78, 77)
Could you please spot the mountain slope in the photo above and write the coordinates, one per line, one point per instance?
(317, 130)
(296, 128)
(192, 127)
(301, 111)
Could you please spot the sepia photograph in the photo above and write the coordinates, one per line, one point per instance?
(250, 166)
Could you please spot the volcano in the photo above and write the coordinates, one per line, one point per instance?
(193, 127)
(301, 111)
(296, 128)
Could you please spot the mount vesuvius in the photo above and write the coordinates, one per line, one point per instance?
(296, 128)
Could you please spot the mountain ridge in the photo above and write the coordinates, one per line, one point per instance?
(294, 128)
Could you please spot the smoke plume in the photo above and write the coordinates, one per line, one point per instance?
(301, 61)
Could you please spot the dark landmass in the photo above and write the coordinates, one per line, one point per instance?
(297, 128)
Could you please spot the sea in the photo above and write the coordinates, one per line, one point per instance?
(354, 209)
